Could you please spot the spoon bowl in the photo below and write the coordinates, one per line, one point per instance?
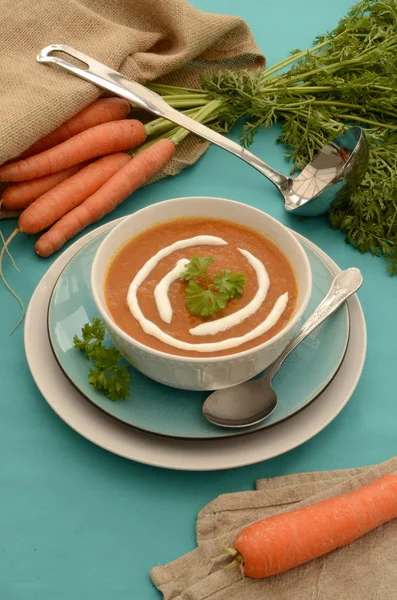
(329, 178)
(243, 405)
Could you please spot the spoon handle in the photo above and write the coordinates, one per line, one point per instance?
(344, 285)
(113, 81)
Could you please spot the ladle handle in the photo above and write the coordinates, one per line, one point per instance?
(108, 79)
(344, 285)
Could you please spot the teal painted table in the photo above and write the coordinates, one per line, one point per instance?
(77, 522)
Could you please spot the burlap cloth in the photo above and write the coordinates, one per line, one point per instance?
(364, 570)
(144, 39)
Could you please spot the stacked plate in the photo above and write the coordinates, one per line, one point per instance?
(163, 426)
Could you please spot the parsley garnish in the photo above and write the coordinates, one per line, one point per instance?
(204, 302)
(110, 375)
(197, 267)
(231, 283)
(206, 297)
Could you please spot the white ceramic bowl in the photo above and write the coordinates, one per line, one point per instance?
(201, 373)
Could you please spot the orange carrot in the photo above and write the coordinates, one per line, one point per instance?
(22, 194)
(100, 111)
(96, 141)
(70, 193)
(135, 174)
(289, 539)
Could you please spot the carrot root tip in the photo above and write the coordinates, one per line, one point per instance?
(238, 560)
(6, 244)
(3, 250)
(230, 550)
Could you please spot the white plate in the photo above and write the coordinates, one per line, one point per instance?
(187, 455)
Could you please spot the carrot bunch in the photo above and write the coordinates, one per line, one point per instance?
(78, 173)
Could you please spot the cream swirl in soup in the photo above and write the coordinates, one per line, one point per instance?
(147, 271)
(214, 326)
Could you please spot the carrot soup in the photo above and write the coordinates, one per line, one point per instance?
(200, 287)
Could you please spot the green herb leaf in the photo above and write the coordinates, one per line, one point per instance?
(204, 297)
(204, 302)
(230, 283)
(197, 267)
(97, 379)
(118, 384)
(110, 375)
(115, 386)
(92, 335)
(106, 359)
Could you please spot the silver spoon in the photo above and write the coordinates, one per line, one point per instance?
(331, 176)
(250, 402)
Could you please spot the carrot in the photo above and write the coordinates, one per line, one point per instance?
(100, 111)
(70, 193)
(96, 141)
(289, 539)
(22, 194)
(129, 178)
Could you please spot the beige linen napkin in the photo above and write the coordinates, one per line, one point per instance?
(166, 40)
(364, 570)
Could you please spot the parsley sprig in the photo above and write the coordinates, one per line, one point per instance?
(110, 375)
(205, 296)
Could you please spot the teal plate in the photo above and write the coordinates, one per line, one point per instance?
(165, 411)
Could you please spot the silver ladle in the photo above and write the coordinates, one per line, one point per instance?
(331, 176)
(250, 402)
